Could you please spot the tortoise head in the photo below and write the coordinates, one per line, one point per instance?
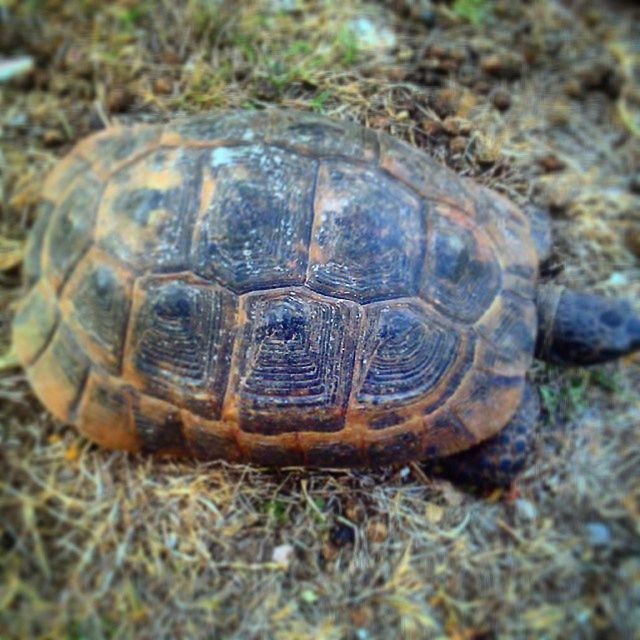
(584, 328)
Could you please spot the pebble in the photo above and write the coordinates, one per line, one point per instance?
(52, 137)
(342, 535)
(526, 509)
(445, 102)
(457, 126)
(551, 163)
(76, 62)
(601, 76)
(118, 100)
(458, 144)
(377, 531)
(284, 6)
(431, 127)
(501, 99)
(162, 86)
(632, 239)
(361, 617)
(634, 185)
(481, 87)
(598, 534)
(424, 11)
(282, 554)
(15, 67)
(501, 66)
(371, 36)
(573, 88)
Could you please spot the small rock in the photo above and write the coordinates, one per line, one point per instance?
(617, 279)
(551, 163)
(525, 509)
(76, 62)
(284, 6)
(457, 126)
(361, 616)
(634, 185)
(371, 36)
(481, 87)
(445, 102)
(423, 10)
(265, 89)
(433, 512)
(377, 531)
(573, 88)
(329, 552)
(282, 554)
(15, 67)
(458, 144)
(598, 534)
(431, 127)
(342, 535)
(52, 137)
(486, 150)
(501, 66)
(171, 57)
(119, 99)
(354, 511)
(632, 239)
(601, 76)
(501, 99)
(162, 86)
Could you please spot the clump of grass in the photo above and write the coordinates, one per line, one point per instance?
(475, 11)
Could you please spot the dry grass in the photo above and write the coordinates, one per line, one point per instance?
(97, 544)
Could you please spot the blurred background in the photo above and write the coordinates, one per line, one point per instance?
(539, 100)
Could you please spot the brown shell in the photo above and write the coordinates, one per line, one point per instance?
(275, 287)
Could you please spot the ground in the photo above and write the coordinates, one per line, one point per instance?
(539, 100)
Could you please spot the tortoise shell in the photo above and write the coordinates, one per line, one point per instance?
(275, 287)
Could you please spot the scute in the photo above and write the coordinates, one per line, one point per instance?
(111, 149)
(179, 342)
(158, 426)
(63, 175)
(206, 130)
(69, 233)
(485, 401)
(32, 267)
(96, 303)
(295, 362)
(315, 135)
(405, 355)
(430, 179)
(508, 333)
(253, 229)
(368, 237)
(462, 275)
(59, 373)
(104, 412)
(148, 210)
(35, 322)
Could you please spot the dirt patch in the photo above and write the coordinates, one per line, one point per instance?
(538, 100)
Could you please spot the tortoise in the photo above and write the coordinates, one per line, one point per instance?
(281, 288)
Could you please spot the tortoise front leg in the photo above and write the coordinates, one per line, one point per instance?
(497, 461)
